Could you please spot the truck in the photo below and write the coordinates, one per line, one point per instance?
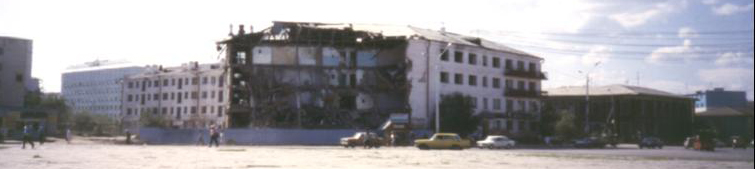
(443, 141)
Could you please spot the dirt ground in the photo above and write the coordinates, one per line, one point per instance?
(96, 155)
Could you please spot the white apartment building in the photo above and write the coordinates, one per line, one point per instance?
(504, 83)
(190, 96)
(95, 87)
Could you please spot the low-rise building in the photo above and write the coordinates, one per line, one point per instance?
(727, 112)
(629, 112)
(189, 96)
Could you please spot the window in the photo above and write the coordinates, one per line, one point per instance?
(172, 96)
(156, 83)
(204, 109)
(444, 55)
(474, 103)
(194, 95)
(165, 110)
(520, 85)
(496, 62)
(212, 94)
(496, 83)
(509, 106)
(165, 96)
(459, 79)
(484, 60)
(509, 64)
(532, 86)
(179, 97)
(172, 82)
(459, 57)
(472, 80)
(130, 98)
(520, 65)
(533, 68)
(220, 96)
(130, 85)
(220, 81)
(509, 84)
(220, 111)
(195, 80)
(165, 82)
(444, 77)
(205, 80)
(496, 104)
(204, 95)
(193, 110)
(485, 103)
(472, 59)
(212, 80)
(19, 77)
(484, 81)
(180, 83)
(509, 124)
(156, 96)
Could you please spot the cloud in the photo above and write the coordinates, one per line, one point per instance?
(634, 19)
(597, 54)
(673, 54)
(735, 59)
(731, 9)
(687, 32)
(710, 2)
(629, 19)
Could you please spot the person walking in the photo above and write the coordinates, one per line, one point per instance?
(128, 136)
(27, 137)
(68, 136)
(214, 137)
(42, 135)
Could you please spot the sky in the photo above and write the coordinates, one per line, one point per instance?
(679, 46)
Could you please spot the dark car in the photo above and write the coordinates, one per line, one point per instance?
(591, 142)
(651, 143)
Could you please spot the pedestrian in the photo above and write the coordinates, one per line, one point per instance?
(68, 136)
(27, 137)
(214, 137)
(548, 141)
(393, 139)
(42, 135)
(128, 136)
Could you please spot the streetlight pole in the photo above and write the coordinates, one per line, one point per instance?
(437, 91)
(587, 98)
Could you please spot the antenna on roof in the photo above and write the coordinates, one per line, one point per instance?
(442, 28)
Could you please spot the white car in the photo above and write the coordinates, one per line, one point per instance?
(495, 142)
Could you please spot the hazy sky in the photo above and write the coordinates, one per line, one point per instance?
(677, 45)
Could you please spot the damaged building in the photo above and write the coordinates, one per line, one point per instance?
(318, 75)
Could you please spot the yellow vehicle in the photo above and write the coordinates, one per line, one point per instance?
(443, 141)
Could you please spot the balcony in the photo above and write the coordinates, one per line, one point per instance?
(531, 74)
(523, 93)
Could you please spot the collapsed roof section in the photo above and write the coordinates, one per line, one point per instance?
(365, 34)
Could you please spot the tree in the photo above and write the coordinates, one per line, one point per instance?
(457, 116)
(96, 124)
(148, 119)
(566, 127)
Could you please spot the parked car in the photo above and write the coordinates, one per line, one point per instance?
(739, 143)
(443, 141)
(373, 141)
(590, 142)
(651, 143)
(496, 142)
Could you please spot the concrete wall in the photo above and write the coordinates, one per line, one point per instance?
(247, 136)
(15, 70)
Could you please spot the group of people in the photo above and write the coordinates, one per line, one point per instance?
(27, 136)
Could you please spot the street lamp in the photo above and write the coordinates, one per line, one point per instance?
(437, 90)
(587, 97)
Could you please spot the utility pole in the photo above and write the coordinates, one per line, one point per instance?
(587, 97)
(437, 90)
